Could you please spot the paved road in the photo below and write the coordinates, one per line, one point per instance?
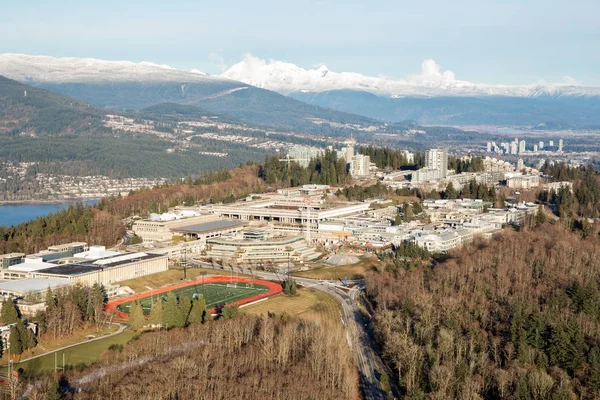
(366, 357)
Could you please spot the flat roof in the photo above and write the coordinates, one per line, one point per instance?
(277, 240)
(207, 226)
(32, 285)
(12, 255)
(90, 266)
(29, 266)
(71, 269)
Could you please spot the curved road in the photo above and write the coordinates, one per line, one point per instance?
(366, 357)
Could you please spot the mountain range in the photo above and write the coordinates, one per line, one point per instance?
(431, 97)
(284, 96)
(288, 78)
(123, 85)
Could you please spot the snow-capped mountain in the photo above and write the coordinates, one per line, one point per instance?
(433, 96)
(124, 85)
(288, 78)
(41, 69)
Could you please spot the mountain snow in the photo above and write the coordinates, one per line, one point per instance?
(44, 69)
(286, 78)
(273, 75)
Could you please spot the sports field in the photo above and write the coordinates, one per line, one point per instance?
(217, 291)
(215, 294)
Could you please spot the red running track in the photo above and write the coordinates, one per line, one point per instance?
(274, 288)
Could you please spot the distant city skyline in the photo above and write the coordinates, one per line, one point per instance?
(497, 42)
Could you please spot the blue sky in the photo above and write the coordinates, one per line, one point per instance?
(510, 42)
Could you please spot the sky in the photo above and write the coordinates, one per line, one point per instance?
(499, 42)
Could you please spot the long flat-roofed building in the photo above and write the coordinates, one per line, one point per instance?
(260, 247)
(523, 181)
(59, 251)
(24, 269)
(207, 230)
(161, 230)
(106, 271)
(297, 212)
(33, 286)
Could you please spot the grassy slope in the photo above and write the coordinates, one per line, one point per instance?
(85, 353)
(307, 303)
(354, 271)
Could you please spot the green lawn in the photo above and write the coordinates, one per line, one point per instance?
(309, 304)
(353, 271)
(85, 353)
(216, 294)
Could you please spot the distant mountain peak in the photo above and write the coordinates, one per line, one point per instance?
(287, 78)
(40, 69)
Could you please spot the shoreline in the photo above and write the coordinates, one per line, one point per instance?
(43, 202)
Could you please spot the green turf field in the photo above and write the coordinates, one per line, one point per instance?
(85, 353)
(216, 294)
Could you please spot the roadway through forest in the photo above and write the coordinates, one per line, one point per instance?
(366, 357)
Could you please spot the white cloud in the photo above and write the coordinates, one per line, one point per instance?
(569, 80)
(432, 80)
(217, 60)
(432, 72)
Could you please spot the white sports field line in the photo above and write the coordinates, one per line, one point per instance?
(243, 292)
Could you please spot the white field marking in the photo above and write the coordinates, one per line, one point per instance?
(254, 302)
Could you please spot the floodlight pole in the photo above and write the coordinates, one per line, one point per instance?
(184, 248)
(203, 273)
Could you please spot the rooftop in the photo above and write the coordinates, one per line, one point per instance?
(277, 240)
(71, 269)
(208, 226)
(32, 285)
(30, 265)
(11, 255)
(96, 252)
(87, 266)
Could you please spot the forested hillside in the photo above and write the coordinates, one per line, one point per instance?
(240, 182)
(516, 317)
(324, 170)
(77, 223)
(65, 136)
(560, 112)
(121, 156)
(32, 111)
(240, 358)
(583, 201)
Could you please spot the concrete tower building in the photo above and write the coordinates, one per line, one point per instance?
(514, 148)
(437, 159)
(350, 149)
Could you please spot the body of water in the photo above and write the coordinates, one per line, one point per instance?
(13, 214)
(511, 131)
